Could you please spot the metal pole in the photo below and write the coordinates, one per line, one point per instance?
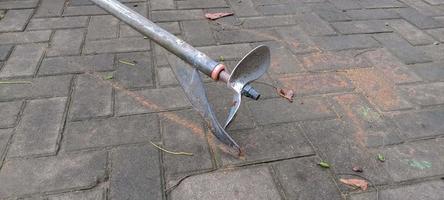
(172, 43)
(165, 39)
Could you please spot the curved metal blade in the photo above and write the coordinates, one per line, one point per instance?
(192, 84)
(250, 68)
(237, 98)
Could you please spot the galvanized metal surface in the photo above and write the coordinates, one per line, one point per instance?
(162, 37)
(193, 87)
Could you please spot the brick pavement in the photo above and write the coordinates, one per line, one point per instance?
(367, 74)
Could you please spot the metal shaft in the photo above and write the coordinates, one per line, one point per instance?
(165, 39)
(170, 42)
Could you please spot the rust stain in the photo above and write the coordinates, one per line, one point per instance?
(376, 86)
(390, 66)
(347, 102)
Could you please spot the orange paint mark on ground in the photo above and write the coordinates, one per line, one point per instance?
(378, 88)
(315, 83)
(347, 102)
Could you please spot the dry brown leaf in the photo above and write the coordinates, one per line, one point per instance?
(214, 16)
(356, 183)
(286, 93)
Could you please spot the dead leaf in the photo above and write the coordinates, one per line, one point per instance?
(214, 16)
(286, 93)
(355, 183)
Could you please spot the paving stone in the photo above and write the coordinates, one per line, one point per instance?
(372, 129)
(77, 64)
(193, 4)
(91, 98)
(329, 13)
(247, 184)
(176, 15)
(25, 37)
(4, 51)
(435, 2)
(68, 172)
(437, 33)
(336, 143)
(314, 25)
(327, 60)
(402, 49)
(228, 52)
(162, 4)
(15, 20)
(425, 94)
(102, 27)
(53, 86)
(415, 160)
(166, 77)
(436, 52)
(198, 33)
(135, 173)
(243, 8)
(139, 75)
(184, 131)
(419, 20)
(242, 36)
(66, 42)
(117, 45)
(269, 143)
(39, 129)
(269, 21)
(370, 14)
(308, 84)
(412, 34)
(50, 8)
(391, 67)
(423, 7)
(426, 190)
(264, 112)
(10, 113)
(5, 135)
(298, 175)
(282, 60)
(296, 39)
(100, 133)
(24, 60)
(94, 194)
(429, 71)
(345, 4)
(83, 10)
(150, 100)
(360, 27)
(420, 124)
(58, 23)
(344, 42)
(381, 4)
(18, 4)
(275, 9)
(378, 88)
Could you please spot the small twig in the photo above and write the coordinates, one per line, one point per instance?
(127, 62)
(167, 190)
(171, 152)
(371, 183)
(15, 82)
